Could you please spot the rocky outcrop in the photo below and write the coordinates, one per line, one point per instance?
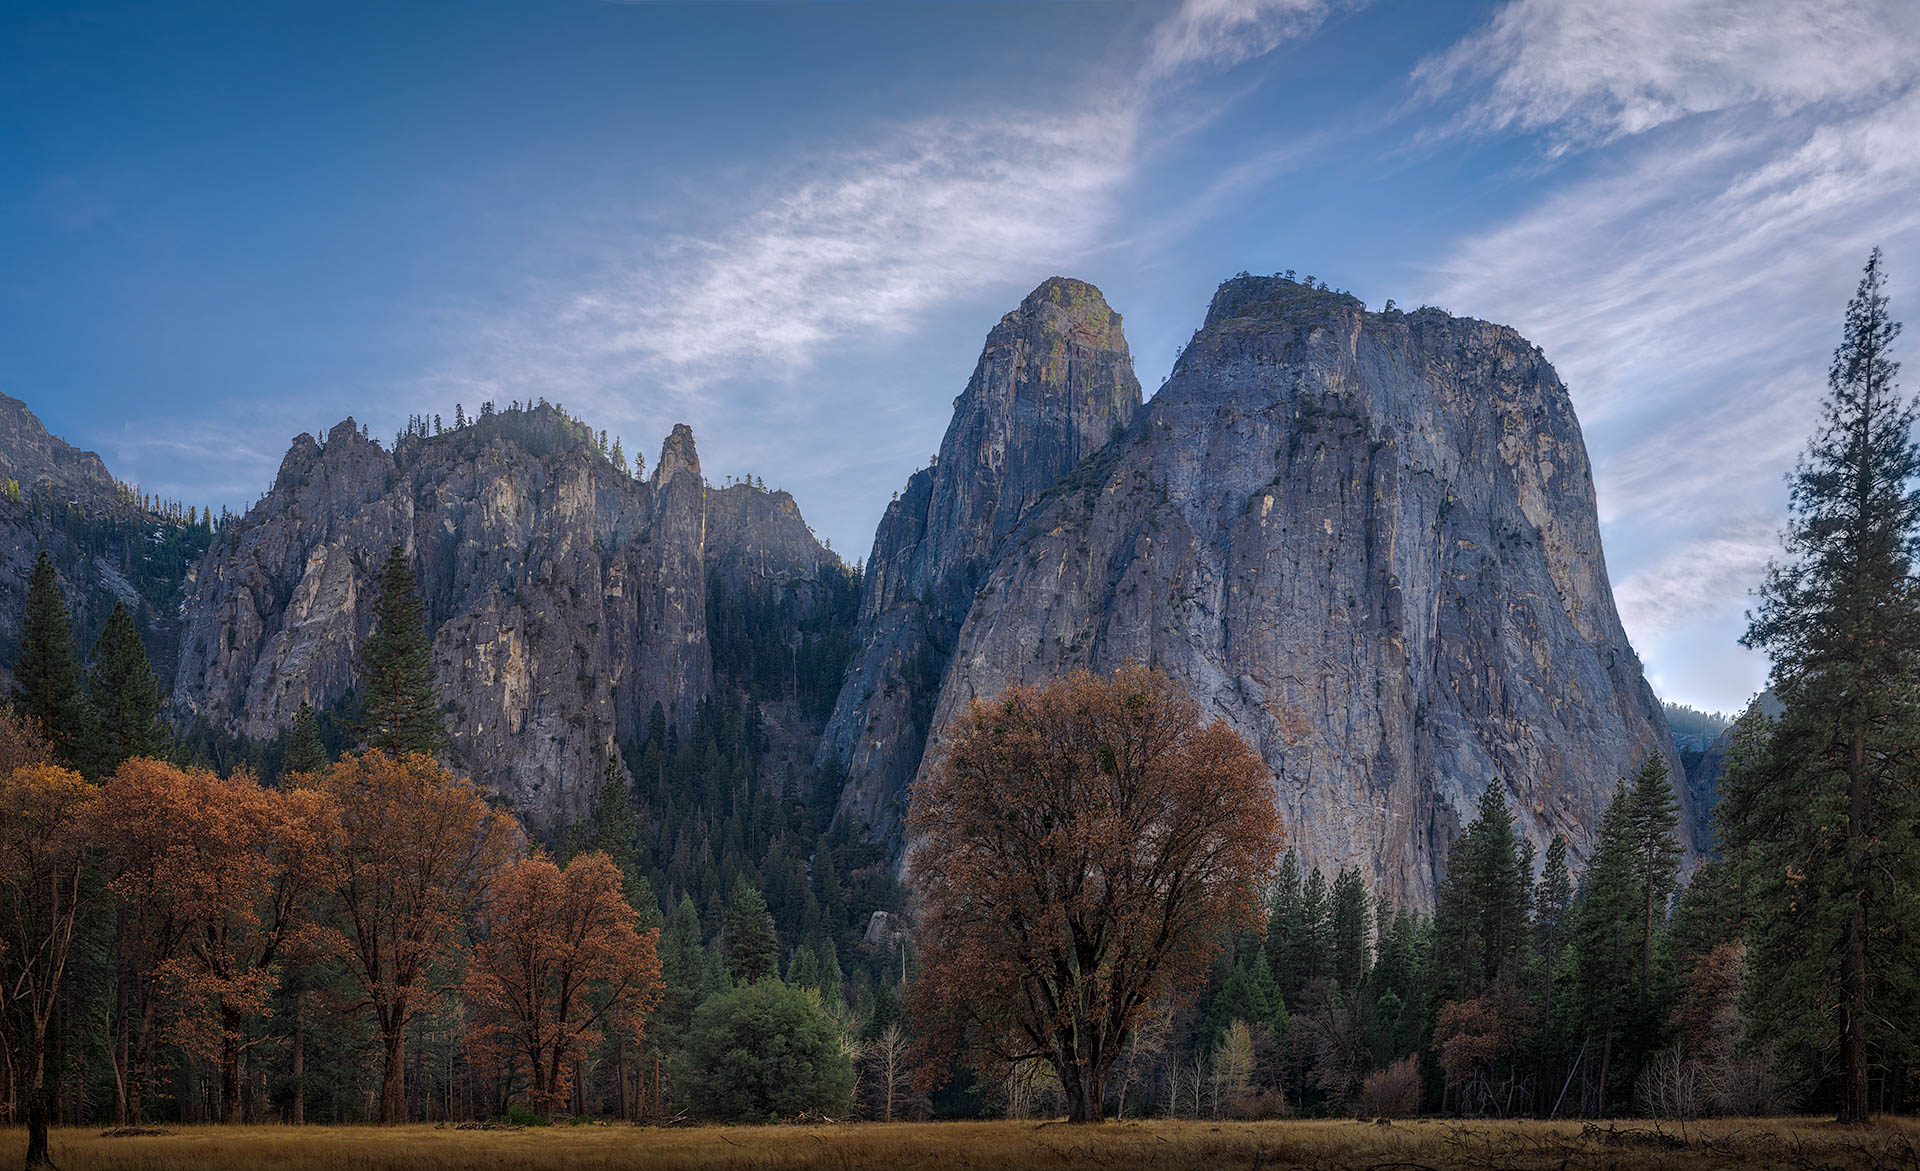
(1054, 384)
(565, 598)
(758, 544)
(1367, 541)
(105, 547)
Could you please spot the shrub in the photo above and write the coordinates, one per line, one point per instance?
(1393, 1092)
(765, 1051)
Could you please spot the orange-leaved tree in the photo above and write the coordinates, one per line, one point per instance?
(47, 888)
(249, 861)
(1080, 850)
(559, 961)
(415, 849)
(143, 814)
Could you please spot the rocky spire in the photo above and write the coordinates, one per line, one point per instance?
(1054, 384)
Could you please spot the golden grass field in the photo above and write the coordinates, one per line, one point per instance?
(1748, 1144)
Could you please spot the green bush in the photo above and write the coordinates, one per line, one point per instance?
(523, 1115)
(765, 1051)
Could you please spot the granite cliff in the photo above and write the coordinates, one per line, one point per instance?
(107, 545)
(565, 597)
(1368, 541)
(1054, 383)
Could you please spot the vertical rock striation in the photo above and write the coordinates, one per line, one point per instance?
(1368, 542)
(1054, 384)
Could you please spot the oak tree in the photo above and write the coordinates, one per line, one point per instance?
(415, 849)
(560, 962)
(1080, 850)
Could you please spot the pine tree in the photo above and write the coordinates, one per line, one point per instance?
(1654, 814)
(305, 751)
(1551, 897)
(47, 672)
(613, 828)
(753, 951)
(1349, 922)
(1606, 942)
(1482, 913)
(1821, 825)
(399, 701)
(1287, 930)
(126, 697)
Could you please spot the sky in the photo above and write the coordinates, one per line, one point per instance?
(792, 224)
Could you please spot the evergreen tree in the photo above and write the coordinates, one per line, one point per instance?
(1349, 922)
(1654, 815)
(1482, 913)
(305, 751)
(613, 828)
(753, 951)
(47, 672)
(1551, 897)
(126, 697)
(1613, 941)
(683, 970)
(1822, 824)
(399, 702)
(1287, 930)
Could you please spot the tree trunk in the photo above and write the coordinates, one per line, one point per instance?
(1853, 960)
(1082, 1087)
(229, 1067)
(300, 1057)
(393, 1094)
(37, 1154)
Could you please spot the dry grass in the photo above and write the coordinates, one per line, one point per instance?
(1749, 1145)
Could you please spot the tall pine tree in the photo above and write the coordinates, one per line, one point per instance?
(47, 672)
(399, 702)
(1822, 825)
(126, 697)
(1654, 815)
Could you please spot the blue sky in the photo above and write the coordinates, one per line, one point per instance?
(791, 225)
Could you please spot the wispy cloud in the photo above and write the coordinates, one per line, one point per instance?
(1688, 284)
(1590, 71)
(1210, 35)
(863, 243)
(941, 208)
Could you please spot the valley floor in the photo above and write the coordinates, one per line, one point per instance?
(1749, 1144)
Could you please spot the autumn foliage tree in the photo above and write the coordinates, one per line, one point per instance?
(47, 886)
(559, 963)
(415, 850)
(1080, 850)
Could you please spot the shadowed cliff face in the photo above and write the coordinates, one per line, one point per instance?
(1369, 543)
(105, 548)
(564, 597)
(1054, 384)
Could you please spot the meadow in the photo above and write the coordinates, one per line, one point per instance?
(1750, 1144)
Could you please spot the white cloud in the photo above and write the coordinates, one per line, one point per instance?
(1689, 283)
(1211, 35)
(1594, 70)
(851, 244)
(942, 208)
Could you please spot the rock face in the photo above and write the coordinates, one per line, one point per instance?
(105, 547)
(564, 597)
(1369, 543)
(1054, 383)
